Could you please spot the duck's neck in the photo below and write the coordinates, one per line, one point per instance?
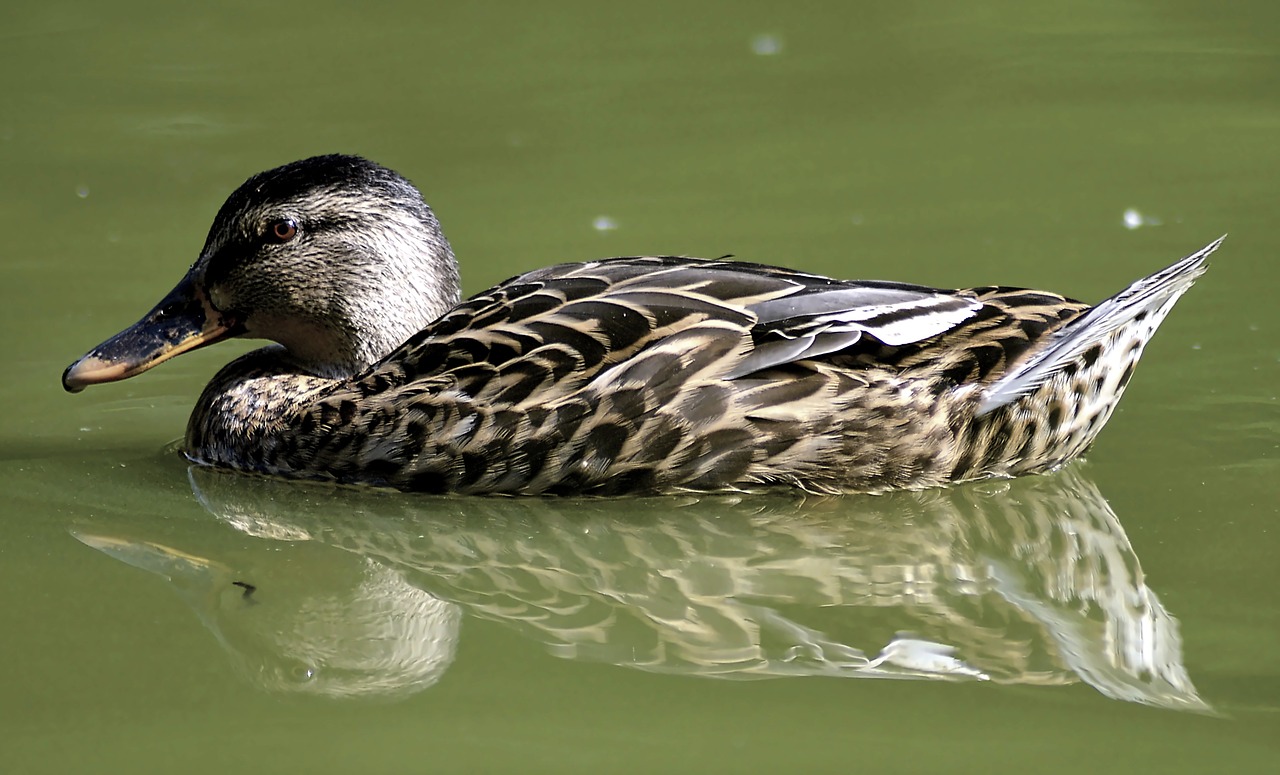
(391, 306)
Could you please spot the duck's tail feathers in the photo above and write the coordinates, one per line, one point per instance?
(1150, 298)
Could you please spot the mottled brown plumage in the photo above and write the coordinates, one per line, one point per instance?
(626, 375)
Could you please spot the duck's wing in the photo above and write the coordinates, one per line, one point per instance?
(563, 325)
(621, 375)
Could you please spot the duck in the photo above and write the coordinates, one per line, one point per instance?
(641, 375)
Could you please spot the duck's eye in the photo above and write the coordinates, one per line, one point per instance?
(283, 231)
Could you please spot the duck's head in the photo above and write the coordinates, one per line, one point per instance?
(334, 257)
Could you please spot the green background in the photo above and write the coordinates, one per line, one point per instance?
(947, 144)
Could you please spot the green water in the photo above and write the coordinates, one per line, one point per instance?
(1119, 616)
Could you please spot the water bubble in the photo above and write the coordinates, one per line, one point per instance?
(1133, 219)
(766, 45)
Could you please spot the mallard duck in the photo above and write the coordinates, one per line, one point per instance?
(651, 374)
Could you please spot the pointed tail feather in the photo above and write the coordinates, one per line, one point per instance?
(1156, 292)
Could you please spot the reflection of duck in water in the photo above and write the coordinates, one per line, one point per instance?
(623, 375)
(305, 624)
(1036, 584)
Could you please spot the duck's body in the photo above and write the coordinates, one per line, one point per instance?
(628, 375)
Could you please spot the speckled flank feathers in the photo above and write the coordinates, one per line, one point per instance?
(627, 375)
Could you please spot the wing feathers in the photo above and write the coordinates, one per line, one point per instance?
(616, 311)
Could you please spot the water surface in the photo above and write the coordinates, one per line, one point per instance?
(1120, 615)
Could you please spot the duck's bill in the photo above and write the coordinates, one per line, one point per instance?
(181, 322)
(149, 556)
